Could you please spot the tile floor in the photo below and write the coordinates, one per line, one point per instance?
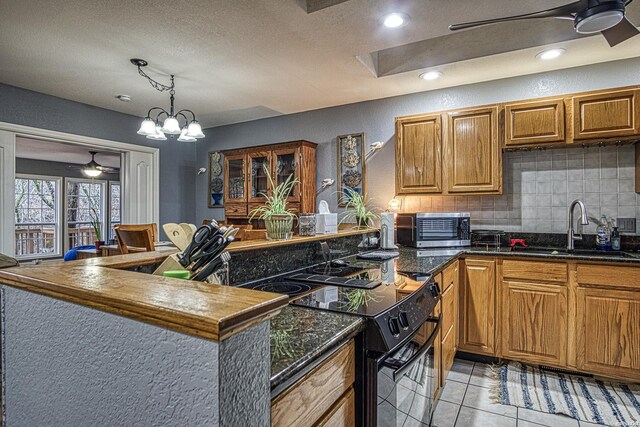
(465, 402)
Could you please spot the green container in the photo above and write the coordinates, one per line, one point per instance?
(279, 227)
(178, 274)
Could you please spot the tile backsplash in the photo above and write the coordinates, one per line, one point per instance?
(539, 186)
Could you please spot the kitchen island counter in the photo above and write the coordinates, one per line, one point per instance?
(208, 311)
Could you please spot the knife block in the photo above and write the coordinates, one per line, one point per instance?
(172, 263)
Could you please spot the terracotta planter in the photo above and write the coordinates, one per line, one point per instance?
(99, 244)
(279, 227)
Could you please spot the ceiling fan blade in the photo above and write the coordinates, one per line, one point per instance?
(561, 12)
(621, 32)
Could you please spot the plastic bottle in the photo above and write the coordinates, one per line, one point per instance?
(603, 236)
(615, 239)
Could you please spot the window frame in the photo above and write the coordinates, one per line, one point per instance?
(109, 206)
(59, 245)
(103, 206)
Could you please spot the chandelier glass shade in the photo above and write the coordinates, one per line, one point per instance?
(160, 122)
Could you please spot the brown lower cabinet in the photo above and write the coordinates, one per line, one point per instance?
(574, 315)
(478, 306)
(324, 396)
(608, 320)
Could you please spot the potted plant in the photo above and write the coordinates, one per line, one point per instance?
(358, 210)
(97, 227)
(277, 218)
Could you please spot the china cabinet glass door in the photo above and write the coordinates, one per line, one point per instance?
(235, 185)
(259, 164)
(286, 164)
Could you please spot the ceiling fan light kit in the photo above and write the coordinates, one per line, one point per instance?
(588, 16)
(600, 17)
(93, 168)
(190, 131)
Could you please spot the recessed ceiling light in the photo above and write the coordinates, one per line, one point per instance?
(550, 54)
(431, 75)
(124, 98)
(395, 20)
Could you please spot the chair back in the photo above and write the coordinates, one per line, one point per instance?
(136, 237)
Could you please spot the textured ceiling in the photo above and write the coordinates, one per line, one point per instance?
(246, 59)
(28, 148)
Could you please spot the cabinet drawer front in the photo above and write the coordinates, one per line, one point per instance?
(534, 122)
(606, 275)
(606, 114)
(235, 210)
(449, 276)
(342, 414)
(449, 303)
(535, 270)
(305, 402)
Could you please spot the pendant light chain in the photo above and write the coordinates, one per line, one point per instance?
(155, 84)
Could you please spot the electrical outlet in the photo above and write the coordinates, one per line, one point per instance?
(626, 225)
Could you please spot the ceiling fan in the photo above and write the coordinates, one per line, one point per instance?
(93, 168)
(588, 16)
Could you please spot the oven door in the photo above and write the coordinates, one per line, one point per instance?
(406, 382)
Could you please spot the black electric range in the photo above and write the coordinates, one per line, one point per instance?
(364, 288)
(395, 347)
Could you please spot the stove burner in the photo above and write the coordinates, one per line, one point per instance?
(327, 271)
(289, 288)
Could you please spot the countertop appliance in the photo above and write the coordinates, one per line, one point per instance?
(396, 372)
(434, 229)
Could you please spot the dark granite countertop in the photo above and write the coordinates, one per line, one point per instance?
(435, 260)
(302, 337)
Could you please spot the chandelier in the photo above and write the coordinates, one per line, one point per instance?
(190, 131)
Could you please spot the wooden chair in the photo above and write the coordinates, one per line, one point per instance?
(136, 237)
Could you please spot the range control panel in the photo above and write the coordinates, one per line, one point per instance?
(404, 319)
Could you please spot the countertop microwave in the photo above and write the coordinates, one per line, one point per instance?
(434, 229)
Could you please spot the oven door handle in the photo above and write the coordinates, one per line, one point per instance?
(421, 351)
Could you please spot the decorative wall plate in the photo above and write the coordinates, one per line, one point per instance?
(352, 179)
(351, 159)
(216, 185)
(350, 143)
(216, 169)
(216, 157)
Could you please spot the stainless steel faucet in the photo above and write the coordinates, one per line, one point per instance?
(583, 221)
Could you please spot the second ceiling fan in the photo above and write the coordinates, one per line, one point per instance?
(588, 16)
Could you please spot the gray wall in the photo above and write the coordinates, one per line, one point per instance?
(376, 119)
(177, 167)
(47, 168)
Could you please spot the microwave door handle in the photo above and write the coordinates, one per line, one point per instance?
(398, 373)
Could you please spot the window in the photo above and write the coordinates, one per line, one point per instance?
(37, 216)
(114, 207)
(85, 207)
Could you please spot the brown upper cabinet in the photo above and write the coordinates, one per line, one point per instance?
(539, 122)
(419, 154)
(246, 179)
(473, 159)
(606, 114)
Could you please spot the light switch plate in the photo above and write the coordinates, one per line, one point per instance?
(626, 225)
